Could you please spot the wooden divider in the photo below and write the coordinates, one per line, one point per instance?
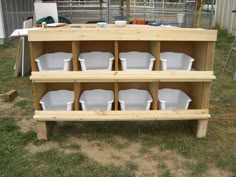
(36, 50)
(116, 53)
(116, 95)
(77, 88)
(155, 51)
(153, 90)
(75, 54)
(39, 90)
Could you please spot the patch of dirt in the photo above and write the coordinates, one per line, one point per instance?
(147, 163)
(26, 123)
(41, 148)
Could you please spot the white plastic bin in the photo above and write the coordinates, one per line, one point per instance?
(176, 61)
(96, 61)
(136, 60)
(58, 100)
(97, 99)
(173, 99)
(55, 61)
(134, 99)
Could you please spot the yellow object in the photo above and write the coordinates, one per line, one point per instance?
(198, 13)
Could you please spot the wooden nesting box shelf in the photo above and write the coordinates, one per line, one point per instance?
(197, 43)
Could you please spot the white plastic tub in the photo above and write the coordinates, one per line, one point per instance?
(173, 99)
(96, 60)
(176, 61)
(136, 60)
(97, 99)
(55, 61)
(134, 99)
(120, 23)
(58, 100)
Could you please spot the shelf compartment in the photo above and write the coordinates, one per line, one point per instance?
(38, 49)
(147, 87)
(197, 114)
(173, 99)
(135, 60)
(58, 100)
(123, 76)
(133, 52)
(101, 87)
(175, 61)
(134, 99)
(96, 60)
(55, 61)
(40, 89)
(199, 92)
(97, 99)
(202, 52)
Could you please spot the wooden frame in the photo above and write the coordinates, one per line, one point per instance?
(196, 83)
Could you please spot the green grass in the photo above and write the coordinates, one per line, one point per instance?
(73, 146)
(26, 106)
(131, 165)
(15, 161)
(198, 168)
(144, 150)
(162, 165)
(166, 174)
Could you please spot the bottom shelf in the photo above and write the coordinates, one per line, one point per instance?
(191, 114)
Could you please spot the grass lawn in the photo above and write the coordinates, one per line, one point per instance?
(116, 149)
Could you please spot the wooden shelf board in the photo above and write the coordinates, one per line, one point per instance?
(122, 76)
(193, 114)
(130, 32)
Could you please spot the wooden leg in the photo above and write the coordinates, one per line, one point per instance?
(199, 127)
(44, 129)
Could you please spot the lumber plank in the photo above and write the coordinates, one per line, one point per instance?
(130, 32)
(122, 115)
(123, 76)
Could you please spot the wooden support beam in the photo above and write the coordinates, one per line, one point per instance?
(199, 127)
(123, 76)
(44, 129)
(128, 33)
(122, 115)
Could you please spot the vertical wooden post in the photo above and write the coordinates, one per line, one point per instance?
(39, 90)
(42, 130)
(204, 89)
(210, 54)
(36, 50)
(77, 91)
(155, 51)
(116, 91)
(153, 91)
(75, 54)
(116, 56)
(201, 128)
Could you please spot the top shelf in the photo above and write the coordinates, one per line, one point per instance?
(85, 32)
